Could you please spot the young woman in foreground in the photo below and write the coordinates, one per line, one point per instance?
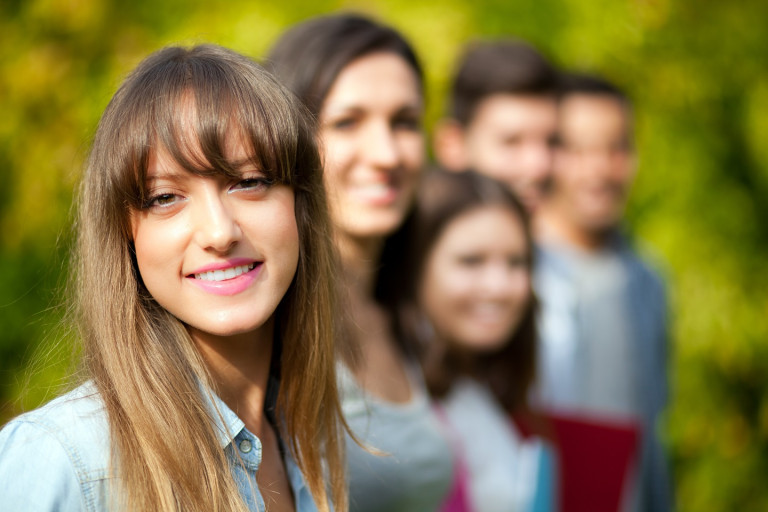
(364, 84)
(464, 295)
(204, 276)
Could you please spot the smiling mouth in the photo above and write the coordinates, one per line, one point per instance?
(381, 194)
(225, 274)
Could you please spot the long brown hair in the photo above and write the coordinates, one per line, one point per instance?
(442, 197)
(140, 357)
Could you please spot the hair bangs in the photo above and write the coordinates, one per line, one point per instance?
(262, 114)
(180, 110)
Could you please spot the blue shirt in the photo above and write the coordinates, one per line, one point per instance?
(568, 321)
(57, 457)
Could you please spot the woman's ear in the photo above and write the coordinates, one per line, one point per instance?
(449, 145)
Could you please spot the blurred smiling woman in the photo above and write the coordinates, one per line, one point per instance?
(364, 83)
(464, 296)
(204, 278)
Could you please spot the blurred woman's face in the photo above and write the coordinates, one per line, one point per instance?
(476, 285)
(372, 143)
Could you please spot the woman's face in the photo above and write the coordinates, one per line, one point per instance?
(372, 143)
(476, 286)
(218, 254)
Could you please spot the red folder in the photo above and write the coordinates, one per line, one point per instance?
(595, 457)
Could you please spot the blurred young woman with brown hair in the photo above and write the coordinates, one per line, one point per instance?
(463, 295)
(364, 84)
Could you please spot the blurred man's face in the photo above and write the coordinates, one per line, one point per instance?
(594, 165)
(510, 138)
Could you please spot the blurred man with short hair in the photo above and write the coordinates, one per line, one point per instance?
(502, 117)
(603, 317)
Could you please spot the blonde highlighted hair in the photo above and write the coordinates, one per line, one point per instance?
(140, 357)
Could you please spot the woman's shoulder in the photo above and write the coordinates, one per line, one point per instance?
(357, 402)
(57, 454)
(77, 415)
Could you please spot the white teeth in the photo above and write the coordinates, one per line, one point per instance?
(374, 190)
(222, 275)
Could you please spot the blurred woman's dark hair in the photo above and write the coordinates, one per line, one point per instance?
(309, 57)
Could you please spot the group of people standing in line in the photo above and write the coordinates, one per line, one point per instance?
(284, 307)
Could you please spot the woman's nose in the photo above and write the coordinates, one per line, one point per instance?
(215, 225)
(380, 146)
(498, 280)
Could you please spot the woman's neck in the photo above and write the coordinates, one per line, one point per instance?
(239, 366)
(360, 263)
(381, 368)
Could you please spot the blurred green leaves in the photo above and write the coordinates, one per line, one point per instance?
(698, 74)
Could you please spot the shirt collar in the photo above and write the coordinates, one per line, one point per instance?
(228, 426)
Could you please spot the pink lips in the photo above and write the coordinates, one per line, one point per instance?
(230, 286)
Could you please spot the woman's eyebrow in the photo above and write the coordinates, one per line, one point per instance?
(343, 110)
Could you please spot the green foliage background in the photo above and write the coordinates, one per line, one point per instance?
(696, 68)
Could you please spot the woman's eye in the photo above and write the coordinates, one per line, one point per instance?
(344, 123)
(518, 262)
(470, 261)
(253, 184)
(407, 123)
(161, 201)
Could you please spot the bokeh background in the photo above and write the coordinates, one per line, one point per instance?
(696, 69)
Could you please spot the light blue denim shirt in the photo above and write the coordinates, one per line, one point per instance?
(56, 458)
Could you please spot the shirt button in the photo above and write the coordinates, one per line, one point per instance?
(245, 446)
